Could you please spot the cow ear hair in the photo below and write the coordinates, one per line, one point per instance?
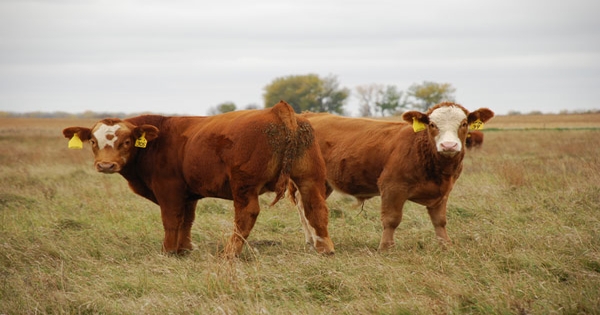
(413, 114)
(82, 132)
(150, 131)
(483, 114)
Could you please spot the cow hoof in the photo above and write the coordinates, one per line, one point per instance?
(324, 246)
(328, 253)
(385, 247)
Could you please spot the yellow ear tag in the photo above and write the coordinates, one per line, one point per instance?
(141, 141)
(476, 125)
(75, 142)
(417, 125)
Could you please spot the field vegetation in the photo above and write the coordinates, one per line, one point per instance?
(524, 218)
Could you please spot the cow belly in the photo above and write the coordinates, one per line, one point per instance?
(353, 178)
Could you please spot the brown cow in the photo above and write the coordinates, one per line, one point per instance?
(418, 161)
(235, 156)
(474, 139)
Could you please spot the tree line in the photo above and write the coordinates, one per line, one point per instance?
(323, 94)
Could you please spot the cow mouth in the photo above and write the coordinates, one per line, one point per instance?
(107, 167)
(448, 153)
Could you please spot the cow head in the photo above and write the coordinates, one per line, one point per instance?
(447, 125)
(113, 142)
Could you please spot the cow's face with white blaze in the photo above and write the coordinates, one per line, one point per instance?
(447, 125)
(114, 142)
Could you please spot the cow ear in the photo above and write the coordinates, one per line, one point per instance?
(413, 115)
(76, 136)
(418, 120)
(82, 133)
(482, 114)
(150, 132)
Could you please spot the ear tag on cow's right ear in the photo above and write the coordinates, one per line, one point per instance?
(141, 142)
(476, 125)
(418, 125)
(75, 142)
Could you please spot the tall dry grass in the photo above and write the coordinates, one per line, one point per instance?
(523, 218)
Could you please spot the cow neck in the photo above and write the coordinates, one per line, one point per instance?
(436, 166)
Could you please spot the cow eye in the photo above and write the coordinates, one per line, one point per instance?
(464, 124)
(432, 125)
(92, 142)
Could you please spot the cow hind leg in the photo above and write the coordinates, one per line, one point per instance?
(315, 216)
(309, 233)
(246, 212)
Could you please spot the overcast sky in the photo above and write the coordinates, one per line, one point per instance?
(184, 57)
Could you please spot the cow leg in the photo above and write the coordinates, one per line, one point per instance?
(184, 239)
(315, 216)
(391, 216)
(172, 218)
(177, 215)
(308, 233)
(246, 211)
(438, 218)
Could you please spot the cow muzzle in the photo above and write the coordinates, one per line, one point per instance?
(107, 167)
(449, 148)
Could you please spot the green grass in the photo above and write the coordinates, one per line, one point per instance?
(523, 218)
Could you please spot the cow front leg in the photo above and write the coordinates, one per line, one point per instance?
(246, 212)
(184, 238)
(438, 218)
(172, 218)
(391, 216)
(177, 217)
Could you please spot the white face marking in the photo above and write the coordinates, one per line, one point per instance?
(103, 133)
(448, 120)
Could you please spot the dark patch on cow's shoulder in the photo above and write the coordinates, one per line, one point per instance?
(220, 142)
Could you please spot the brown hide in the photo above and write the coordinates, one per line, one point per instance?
(474, 139)
(235, 156)
(367, 158)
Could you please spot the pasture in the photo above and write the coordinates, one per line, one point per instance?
(524, 219)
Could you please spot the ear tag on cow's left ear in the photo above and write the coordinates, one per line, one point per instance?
(141, 141)
(418, 125)
(476, 125)
(75, 142)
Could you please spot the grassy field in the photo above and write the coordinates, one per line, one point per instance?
(524, 218)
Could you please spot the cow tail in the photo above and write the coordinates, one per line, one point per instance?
(288, 147)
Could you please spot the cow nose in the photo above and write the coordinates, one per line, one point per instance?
(449, 146)
(106, 166)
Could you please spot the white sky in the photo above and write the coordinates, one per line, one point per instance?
(184, 57)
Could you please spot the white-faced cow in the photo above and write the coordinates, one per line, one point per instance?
(417, 160)
(175, 161)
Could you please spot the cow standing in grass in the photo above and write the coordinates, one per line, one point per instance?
(474, 139)
(175, 161)
(419, 160)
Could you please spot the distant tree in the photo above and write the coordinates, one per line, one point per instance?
(429, 93)
(368, 95)
(365, 110)
(251, 106)
(307, 93)
(222, 108)
(390, 101)
(379, 99)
